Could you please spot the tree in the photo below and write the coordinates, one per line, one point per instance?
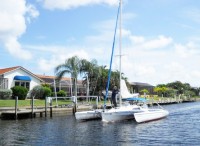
(144, 91)
(71, 66)
(91, 73)
(176, 85)
(160, 90)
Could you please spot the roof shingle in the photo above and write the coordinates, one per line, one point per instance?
(5, 70)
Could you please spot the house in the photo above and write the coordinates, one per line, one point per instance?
(18, 76)
(65, 84)
(136, 87)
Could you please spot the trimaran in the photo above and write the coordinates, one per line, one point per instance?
(125, 111)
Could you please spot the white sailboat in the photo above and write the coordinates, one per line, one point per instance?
(127, 111)
(124, 111)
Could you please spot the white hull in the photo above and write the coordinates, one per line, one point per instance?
(150, 115)
(120, 113)
(88, 115)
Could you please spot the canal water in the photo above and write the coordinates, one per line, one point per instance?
(181, 127)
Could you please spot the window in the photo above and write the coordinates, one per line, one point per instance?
(17, 83)
(25, 84)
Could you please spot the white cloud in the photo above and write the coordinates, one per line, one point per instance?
(187, 50)
(157, 43)
(14, 49)
(137, 39)
(31, 12)
(13, 15)
(69, 4)
(52, 56)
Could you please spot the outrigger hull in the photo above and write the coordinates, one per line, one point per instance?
(88, 115)
(150, 115)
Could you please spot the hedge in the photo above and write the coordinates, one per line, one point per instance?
(5, 94)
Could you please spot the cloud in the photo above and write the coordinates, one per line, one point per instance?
(13, 14)
(160, 42)
(69, 4)
(187, 50)
(52, 56)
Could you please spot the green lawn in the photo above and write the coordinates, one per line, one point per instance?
(26, 103)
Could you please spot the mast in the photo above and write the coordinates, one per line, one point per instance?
(110, 68)
(120, 53)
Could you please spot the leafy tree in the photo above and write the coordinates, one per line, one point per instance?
(144, 91)
(171, 92)
(71, 66)
(177, 85)
(160, 90)
(91, 74)
(189, 93)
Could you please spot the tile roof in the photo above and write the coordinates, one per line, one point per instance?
(5, 70)
(50, 79)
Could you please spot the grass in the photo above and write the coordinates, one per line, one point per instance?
(39, 102)
(27, 103)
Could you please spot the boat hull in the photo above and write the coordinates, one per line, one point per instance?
(150, 115)
(88, 115)
(120, 114)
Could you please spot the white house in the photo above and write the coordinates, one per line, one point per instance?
(18, 76)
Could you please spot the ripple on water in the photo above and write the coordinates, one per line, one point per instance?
(181, 127)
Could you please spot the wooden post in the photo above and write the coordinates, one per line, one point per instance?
(16, 106)
(51, 108)
(45, 106)
(32, 106)
(97, 102)
(75, 104)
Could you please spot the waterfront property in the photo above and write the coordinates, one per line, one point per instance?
(19, 76)
(136, 87)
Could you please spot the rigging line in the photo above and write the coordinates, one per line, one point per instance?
(113, 46)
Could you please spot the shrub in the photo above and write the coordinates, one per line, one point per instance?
(46, 85)
(61, 93)
(5, 94)
(47, 92)
(19, 91)
(40, 92)
(37, 92)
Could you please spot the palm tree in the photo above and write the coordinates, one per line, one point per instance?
(92, 73)
(71, 66)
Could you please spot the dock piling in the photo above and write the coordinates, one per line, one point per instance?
(51, 108)
(16, 106)
(46, 106)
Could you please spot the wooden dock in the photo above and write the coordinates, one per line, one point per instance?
(22, 114)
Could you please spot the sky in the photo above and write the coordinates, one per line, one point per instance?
(160, 38)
